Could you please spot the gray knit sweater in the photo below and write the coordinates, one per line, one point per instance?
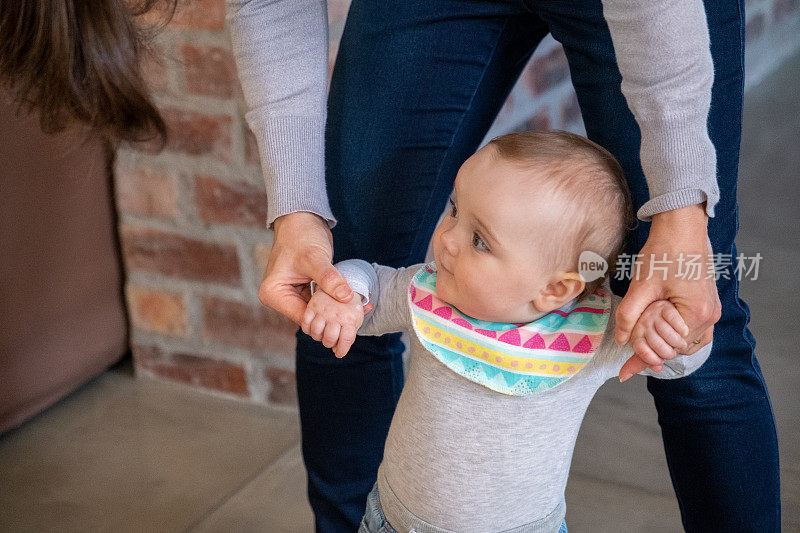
(462, 457)
(662, 48)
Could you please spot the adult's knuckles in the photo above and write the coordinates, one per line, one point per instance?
(717, 311)
(706, 312)
(266, 295)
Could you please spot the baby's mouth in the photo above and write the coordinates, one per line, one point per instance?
(439, 265)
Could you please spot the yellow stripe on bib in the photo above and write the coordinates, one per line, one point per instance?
(493, 357)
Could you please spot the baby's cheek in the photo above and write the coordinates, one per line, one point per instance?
(482, 300)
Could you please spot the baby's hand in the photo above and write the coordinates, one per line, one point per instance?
(333, 322)
(658, 335)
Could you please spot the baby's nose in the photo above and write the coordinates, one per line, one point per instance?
(450, 243)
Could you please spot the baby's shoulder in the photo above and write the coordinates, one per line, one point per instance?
(610, 357)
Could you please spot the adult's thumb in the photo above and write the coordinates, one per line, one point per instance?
(330, 280)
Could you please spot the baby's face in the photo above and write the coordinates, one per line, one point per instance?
(488, 248)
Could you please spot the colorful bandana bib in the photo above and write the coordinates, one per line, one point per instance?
(516, 359)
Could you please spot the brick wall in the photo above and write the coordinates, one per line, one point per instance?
(192, 217)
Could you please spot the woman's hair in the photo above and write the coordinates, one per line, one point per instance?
(589, 182)
(79, 61)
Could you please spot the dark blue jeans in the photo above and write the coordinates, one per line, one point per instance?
(415, 88)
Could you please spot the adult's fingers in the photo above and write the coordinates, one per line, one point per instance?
(699, 307)
(706, 337)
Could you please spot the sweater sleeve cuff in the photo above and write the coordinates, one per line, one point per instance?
(360, 276)
(674, 200)
(292, 153)
(680, 165)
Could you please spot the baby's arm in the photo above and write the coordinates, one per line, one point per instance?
(659, 333)
(386, 288)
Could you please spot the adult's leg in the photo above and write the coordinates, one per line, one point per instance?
(415, 87)
(717, 424)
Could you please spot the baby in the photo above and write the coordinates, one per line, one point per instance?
(508, 341)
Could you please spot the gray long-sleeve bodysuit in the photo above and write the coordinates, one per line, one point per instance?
(464, 458)
(662, 49)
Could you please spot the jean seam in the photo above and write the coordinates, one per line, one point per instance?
(453, 137)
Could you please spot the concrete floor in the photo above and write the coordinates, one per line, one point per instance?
(127, 455)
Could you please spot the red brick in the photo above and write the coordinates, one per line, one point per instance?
(283, 386)
(246, 326)
(198, 134)
(177, 256)
(230, 203)
(251, 154)
(547, 72)
(210, 71)
(192, 369)
(146, 191)
(155, 310)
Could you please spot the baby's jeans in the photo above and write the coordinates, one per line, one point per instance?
(374, 520)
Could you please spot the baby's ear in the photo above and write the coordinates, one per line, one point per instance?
(559, 290)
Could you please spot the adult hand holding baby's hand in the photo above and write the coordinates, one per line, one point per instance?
(659, 332)
(302, 251)
(332, 322)
(679, 231)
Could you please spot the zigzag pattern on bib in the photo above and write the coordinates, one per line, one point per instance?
(514, 359)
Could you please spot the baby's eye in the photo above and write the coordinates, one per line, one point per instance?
(453, 209)
(478, 243)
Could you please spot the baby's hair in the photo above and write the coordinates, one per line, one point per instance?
(589, 182)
